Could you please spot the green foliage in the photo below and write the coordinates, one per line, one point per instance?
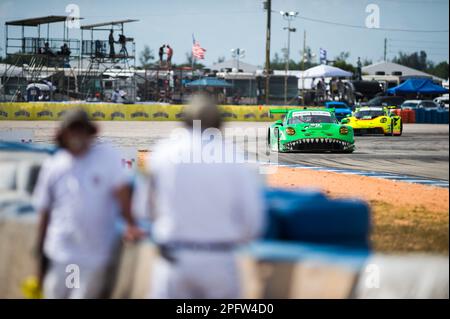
(419, 61)
(146, 57)
(416, 60)
(439, 70)
(190, 61)
(279, 61)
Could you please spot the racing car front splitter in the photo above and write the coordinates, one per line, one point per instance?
(319, 144)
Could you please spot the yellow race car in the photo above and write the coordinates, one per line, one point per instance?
(374, 120)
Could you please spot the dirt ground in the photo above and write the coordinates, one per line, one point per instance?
(406, 217)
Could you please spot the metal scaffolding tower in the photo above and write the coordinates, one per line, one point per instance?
(37, 57)
(103, 68)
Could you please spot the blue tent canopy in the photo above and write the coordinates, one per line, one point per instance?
(416, 85)
(209, 82)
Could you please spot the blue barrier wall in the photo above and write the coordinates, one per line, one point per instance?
(432, 116)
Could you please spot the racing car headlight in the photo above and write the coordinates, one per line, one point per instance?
(343, 130)
(383, 120)
(290, 131)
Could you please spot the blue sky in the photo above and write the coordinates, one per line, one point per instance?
(220, 25)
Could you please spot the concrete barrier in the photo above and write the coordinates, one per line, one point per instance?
(295, 271)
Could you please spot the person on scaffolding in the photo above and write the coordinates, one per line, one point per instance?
(123, 43)
(161, 54)
(111, 42)
(169, 53)
(47, 50)
(64, 50)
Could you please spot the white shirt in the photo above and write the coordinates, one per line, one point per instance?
(203, 202)
(83, 211)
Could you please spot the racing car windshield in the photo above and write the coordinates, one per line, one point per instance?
(368, 114)
(311, 117)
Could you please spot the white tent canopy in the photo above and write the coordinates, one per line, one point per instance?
(326, 71)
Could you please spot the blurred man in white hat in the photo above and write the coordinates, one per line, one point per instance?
(201, 210)
(79, 195)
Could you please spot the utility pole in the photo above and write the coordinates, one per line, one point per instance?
(289, 16)
(303, 65)
(268, 7)
(385, 49)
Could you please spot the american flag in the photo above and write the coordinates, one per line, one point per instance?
(197, 51)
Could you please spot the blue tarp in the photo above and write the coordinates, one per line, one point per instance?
(422, 86)
(209, 82)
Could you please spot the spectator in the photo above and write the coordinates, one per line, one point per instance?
(359, 69)
(169, 53)
(79, 194)
(99, 49)
(123, 43)
(321, 90)
(64, 50)
(47, 50)
(161, 54)
(340, 89)
(201, 212)
(111, 42)
(333, 88)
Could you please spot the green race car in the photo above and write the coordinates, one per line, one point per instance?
(309, 130)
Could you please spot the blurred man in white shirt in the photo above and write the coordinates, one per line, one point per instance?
(202, 211)
(80, 194)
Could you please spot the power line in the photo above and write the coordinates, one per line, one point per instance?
(416, 2)
(418, 47)
(363, 27)
(417, 41)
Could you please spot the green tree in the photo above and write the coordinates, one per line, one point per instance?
(366, 62)
(439, 70)
(340, 61)
(419, 61)
(190, 61)
(416, 60)
(146, 57)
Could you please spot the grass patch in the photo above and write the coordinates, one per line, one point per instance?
(400, 229)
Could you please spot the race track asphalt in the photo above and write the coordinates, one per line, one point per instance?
(422, 151)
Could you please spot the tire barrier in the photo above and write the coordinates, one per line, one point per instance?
(51, 111)
(405, 115)
(412, 117)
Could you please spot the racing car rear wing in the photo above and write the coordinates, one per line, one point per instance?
(279, 111)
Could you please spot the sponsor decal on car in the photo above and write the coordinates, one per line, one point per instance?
(309, 113)
(249, 116)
